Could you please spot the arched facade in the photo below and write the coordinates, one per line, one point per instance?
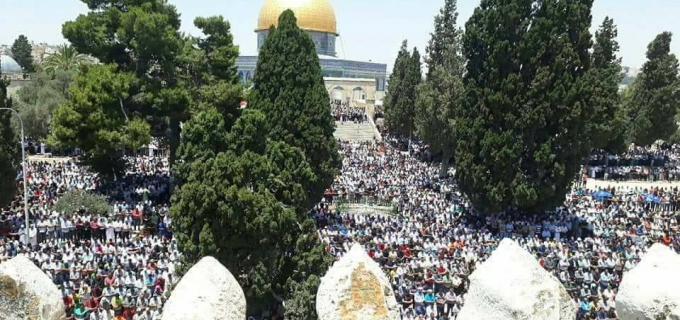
(356, 92)
(337, 94)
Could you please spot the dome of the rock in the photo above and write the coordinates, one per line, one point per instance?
(312, 15)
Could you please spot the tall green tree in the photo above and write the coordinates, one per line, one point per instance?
(208, 68)
(400, 113)
(442, 93)
(246, 197)
(217, 49)
(66, 58)
(10, 152)
(655, 97)
(140, 39)
(604, 128)
(38, 99)
(22, 52)
(248, 183)
(398, 73)
(176, 75)
(446, 38)
(520, 132)
(289, 90)
(95, 118)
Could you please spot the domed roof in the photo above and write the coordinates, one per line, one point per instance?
(8, 65)
(312, 15)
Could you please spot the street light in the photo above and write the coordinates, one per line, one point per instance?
(23, 164)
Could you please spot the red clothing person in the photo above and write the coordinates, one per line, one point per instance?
(68, 301)
(666, 240)
(92, 303)
(160, 284)
(129, 313)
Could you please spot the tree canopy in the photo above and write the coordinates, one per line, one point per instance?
(10, 152)
(607, 73)
(66, 58)
(95, 118)
(246, 195)
(520, 132)
(76, 200)
(208, 67)
(440, 96)
(245, 180)
(398, 73)
(139, 42)
(37, 100)
(170, 76)
(445, 41)
(655, 95)
(22, 52)
(401, 96)
(607, 119)
(289, 90)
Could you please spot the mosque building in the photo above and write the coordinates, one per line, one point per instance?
(357, 83)
(9, 68)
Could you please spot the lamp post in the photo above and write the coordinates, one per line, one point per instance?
(23, 165)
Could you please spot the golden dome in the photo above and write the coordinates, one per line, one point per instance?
(312, 15)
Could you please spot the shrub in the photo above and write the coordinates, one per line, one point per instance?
(76, 200)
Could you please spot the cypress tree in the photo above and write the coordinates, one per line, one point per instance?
(652, 108)
(10, 153)
(604, 128)
(520, 131)
(241, 200)
(442, 93)
(400, 113)
(394, 86)
(22, 52)
(289, 90)
(445, 40)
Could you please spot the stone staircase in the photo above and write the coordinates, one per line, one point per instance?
(349, 131)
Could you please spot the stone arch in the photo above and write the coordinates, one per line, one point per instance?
(338, 93)
(358, 93)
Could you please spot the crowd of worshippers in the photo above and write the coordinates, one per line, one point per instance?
(435, 241)
(108, 265)
(659, 162)
(120, 264)
(668, 173)
(343, 112)
(660, 153)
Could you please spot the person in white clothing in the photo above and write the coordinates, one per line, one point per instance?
(110, 233)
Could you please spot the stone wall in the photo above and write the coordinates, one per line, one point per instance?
(510, 285)
(26, 292)
(651, 290)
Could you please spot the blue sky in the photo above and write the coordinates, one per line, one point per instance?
(370, 29)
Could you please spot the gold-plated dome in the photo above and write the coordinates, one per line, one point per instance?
(312, 15)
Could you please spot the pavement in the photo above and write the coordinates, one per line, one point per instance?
(349, 131)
